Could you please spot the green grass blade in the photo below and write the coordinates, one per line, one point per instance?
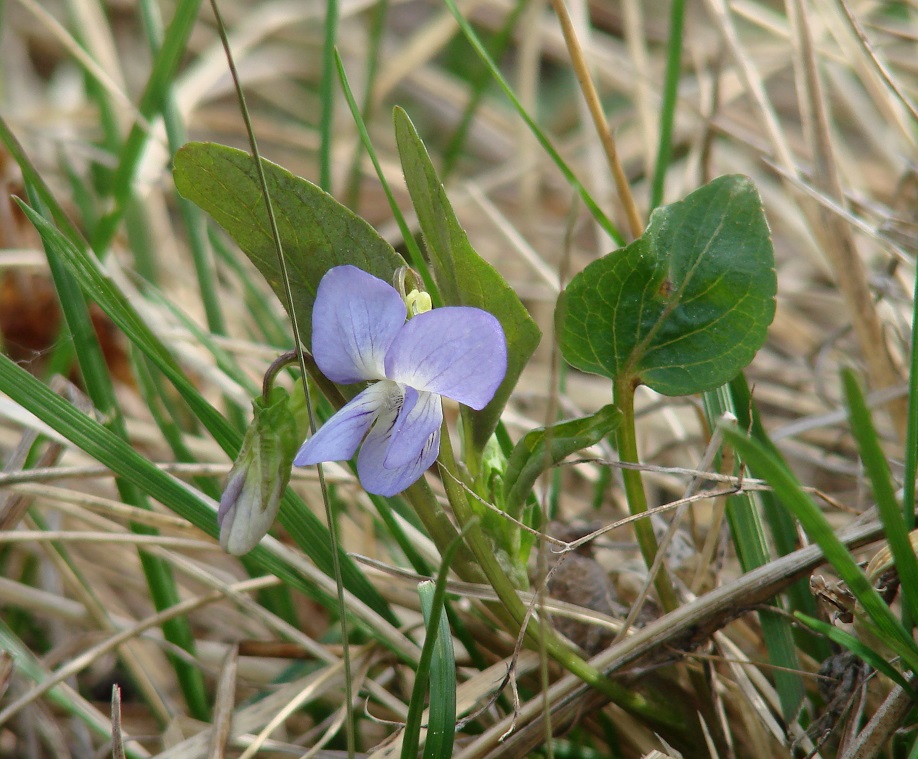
(423, 673)
(546, 144)
(151, 103)
(883, 493)
(670, 97)
(192, 219)
(780, 522)
(161, 583)
(376, 31)
(911, 430)
(441, 714)
(857, 647)
(499, 45)
(788, 490)
(415, 256)
(327, 95)
(748, 533)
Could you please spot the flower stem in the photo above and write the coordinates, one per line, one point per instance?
(441, 530)
(284, 359)
(634, 490)
(512, 610)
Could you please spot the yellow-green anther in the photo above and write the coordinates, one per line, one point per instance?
(418, 302)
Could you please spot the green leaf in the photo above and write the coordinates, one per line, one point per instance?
(684, 308)
(436, 665)
(316, 231)
(543, 447)
(464, 277)
(441, 715)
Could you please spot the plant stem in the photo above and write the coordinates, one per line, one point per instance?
(512, 610)
(634, 490)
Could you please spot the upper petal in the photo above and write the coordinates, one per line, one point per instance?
(421, 414)
(376, 477)
(339, 437)
(459, 352)
(354, 319)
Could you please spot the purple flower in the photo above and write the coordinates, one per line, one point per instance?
(359, 333)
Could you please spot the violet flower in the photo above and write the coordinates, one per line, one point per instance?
(359, 333)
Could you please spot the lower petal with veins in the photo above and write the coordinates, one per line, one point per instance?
(340, 436)
(379, 479)
(421, 415)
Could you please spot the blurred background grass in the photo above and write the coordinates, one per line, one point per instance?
(814, 101)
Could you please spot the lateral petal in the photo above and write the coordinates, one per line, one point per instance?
(338, 438)
(459, 352)
(355, 318)
(421, 414)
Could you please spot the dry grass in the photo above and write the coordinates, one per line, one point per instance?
(815, 101)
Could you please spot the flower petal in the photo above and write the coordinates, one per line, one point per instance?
(245, 516)
(381, 480)
(354, 319)
(459, 352)
(339, 437)
(421, 414)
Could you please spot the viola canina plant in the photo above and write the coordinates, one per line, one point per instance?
(362, 332)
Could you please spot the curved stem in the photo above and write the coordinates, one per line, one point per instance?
(284, 359)
(441, 530)
(634, 490)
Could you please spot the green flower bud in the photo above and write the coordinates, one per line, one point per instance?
(257, 480)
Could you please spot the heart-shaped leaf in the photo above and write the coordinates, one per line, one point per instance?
(684, 308)
(316, 231)
(464, 277)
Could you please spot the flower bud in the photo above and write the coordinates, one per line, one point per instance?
(260, 474)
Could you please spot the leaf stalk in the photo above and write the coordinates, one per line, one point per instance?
(623, 390)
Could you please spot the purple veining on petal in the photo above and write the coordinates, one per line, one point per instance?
(355, 318)
(458, 352)
(360, 333)
(338, 438)
(416, 422)
(377, 478)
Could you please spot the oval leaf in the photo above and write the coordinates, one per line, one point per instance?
(684, 308)
(463, 276)
(316, 231)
